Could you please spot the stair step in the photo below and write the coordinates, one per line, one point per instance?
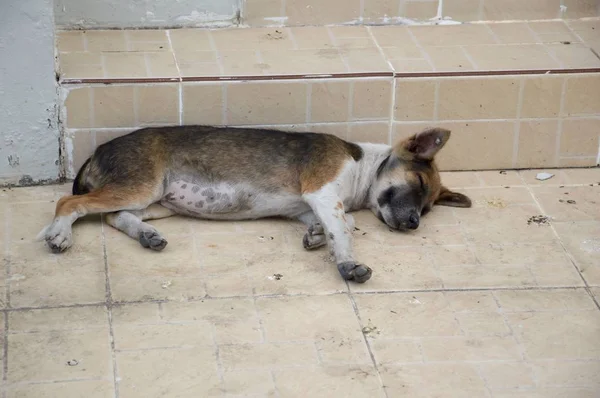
(516, 95)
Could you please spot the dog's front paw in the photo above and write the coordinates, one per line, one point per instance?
(356, 272)
(152, 240)
(58, 235)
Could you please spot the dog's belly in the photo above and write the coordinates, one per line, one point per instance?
(224, 201)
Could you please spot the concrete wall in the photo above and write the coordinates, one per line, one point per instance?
(29, 148)
(145, 13)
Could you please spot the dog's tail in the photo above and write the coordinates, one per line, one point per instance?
(79, 185)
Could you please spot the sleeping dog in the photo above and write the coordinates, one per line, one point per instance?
(223, 173)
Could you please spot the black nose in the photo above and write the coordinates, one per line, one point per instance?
(413, 221)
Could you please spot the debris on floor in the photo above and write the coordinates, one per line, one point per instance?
(73, 362)
(370, 330)
(495, 202)
(275, 277)
(166, 284)
(570, 201)
(543, 176)
(539, 220)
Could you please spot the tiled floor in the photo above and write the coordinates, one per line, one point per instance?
(481, 302)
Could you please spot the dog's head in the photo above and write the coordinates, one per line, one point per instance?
(408, 182)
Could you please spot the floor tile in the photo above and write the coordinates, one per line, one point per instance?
(71, 389)
(59, 355)
(582, 241)
(186, 372)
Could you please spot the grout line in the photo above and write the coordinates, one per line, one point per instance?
(565, 250)
(491, 32)
(420, 47)
(271, 296)
(308, 110)
(365, 339)
(109, 304)
(469, 58)
(337, 48)
(180, 88)
(392, 113)
(436, 100)
(292, 37)
(517, 126)
(224, 104)
(561, 117)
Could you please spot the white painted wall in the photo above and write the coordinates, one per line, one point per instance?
(29, 148)
(145, 13)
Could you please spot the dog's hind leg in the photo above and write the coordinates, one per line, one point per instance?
(108, 199)
(132, 223)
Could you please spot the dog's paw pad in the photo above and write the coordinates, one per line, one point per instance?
(356, 272)
(152, 240)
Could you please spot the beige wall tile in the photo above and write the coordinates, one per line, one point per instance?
(161, 64)
(241, 63)
(541, 97)
(262, 12)
(452, 35)
(420, 9)
(462, 10)
(377, 10)
(392, 36)
(81, 65)
(374, 132)
(522, 10)
(307, 12)
(574, 55)
(478, 98)
(290, 62)
(147, 40)
(329, 101)
(203, 103)
(363, 60)
(338, 129)
(580, 137)
(103, 136)
(266, 103)
(114, 106)
(578, 162)
(401, 131)
(478, 145)
(157, 104)
(125, 65)
(68, 41)
(105, 40)
(78, 107)
(580, 8)
(372, 99)
(513, 33)
(511, 57)
(582, 95)
(83, 147)
(415, 99)
(198, 63)
(186, 39)
(449, 59)
(537, 144)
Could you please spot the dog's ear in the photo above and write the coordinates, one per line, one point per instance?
(424, 145)
(453, 199)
